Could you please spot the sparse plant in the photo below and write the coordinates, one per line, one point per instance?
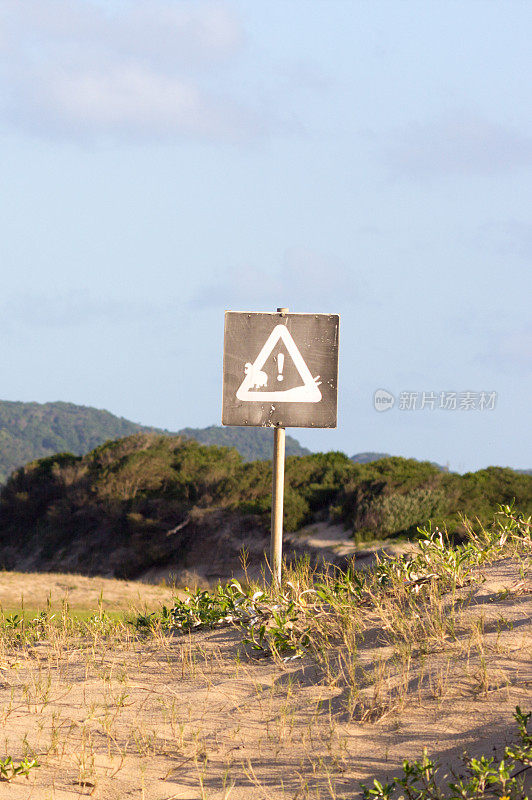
(482, 778)
(10, 769)
(106, 696)
(311, 612)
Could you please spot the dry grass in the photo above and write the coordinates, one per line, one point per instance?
(35, 590)
(107, 713)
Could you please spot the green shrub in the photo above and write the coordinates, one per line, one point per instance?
(143, 485)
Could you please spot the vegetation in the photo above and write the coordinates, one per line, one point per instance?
(395, 496)
(484, 776)
(310, 611)
(418, 601)
(367, 458)
(34, 430)
(316, 688)
(136, 502)
(253, 444)
(10, 769)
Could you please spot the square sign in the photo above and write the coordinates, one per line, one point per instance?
(280, 370)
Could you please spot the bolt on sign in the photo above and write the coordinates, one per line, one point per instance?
(280, 369)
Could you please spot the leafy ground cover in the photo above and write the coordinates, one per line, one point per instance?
(331, 682)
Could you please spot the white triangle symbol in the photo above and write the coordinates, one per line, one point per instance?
(255, 378)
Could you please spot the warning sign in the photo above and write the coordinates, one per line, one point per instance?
(280, 369)
(254, 386)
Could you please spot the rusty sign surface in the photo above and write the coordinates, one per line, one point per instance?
(280, 369)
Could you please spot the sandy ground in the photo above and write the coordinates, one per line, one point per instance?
(334, 542)
(82, 593)
(190, 717)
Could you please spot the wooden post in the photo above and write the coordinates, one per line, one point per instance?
(276, 554)
(276, 551)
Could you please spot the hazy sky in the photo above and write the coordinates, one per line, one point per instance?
(163, 161)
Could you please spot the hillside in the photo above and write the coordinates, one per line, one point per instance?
(34, 430)
(253, 444)
(367, 458)
(150, 500)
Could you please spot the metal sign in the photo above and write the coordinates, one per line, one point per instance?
(280, 370)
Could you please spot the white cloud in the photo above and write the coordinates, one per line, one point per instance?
(456, 143)
(192, 32)
(146, 70)
(127, 100)
(157, 30)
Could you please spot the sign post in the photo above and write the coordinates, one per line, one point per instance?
(276, 549)
(280, 370)
(276, 546)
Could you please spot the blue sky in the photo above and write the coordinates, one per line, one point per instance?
(163, 161)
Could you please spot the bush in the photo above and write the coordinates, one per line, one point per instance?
(138, 487)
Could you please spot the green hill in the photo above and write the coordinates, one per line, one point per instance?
(148, 500)
(367, 458)
(253, 444)
(33, 430)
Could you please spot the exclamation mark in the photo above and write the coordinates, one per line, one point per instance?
(280, 365)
